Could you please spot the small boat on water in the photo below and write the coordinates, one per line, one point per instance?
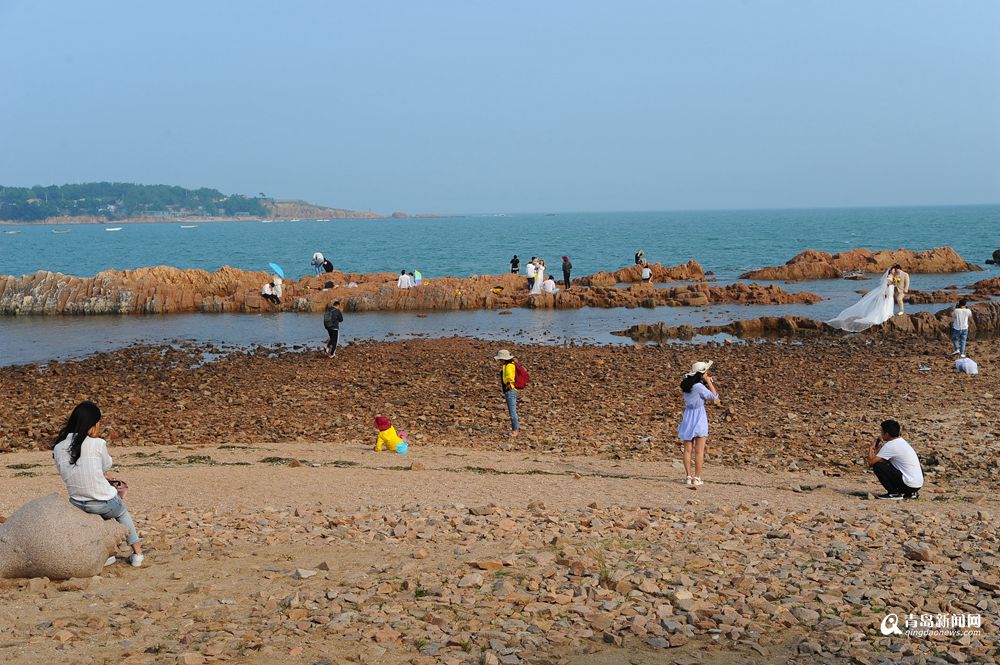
(61, 230)
(189, 226)
(10, 233)
(266, 221)
(113, 228)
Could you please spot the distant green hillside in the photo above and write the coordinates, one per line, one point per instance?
(121, 200)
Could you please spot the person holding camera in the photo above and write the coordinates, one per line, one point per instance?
(693, 430)
(895, 464)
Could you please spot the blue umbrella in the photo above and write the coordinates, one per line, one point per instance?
(277, 270)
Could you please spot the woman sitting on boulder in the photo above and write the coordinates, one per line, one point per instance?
(83, 462)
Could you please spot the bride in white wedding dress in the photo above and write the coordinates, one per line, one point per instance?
(875, 307)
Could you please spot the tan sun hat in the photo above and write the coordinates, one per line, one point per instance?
(503, 354)
(700, 367)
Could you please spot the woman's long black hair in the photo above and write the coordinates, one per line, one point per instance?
(689, 381)
(84, 416)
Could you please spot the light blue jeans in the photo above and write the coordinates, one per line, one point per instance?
(113, 509)
(511, 398)
(958, 339)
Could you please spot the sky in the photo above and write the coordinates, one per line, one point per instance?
(452, 106)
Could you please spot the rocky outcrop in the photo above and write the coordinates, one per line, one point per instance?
(996, 258)
(987, 287)
(47, 537)
(941, 296)
(814, 264)
(163, 290)
(688, 272)
(985, 323)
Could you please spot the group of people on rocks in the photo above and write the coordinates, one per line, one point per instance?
(321, 264)
(538, 281)
(409, 280)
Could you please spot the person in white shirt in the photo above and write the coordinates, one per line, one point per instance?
(895, 463)
(530, 270)
(83, 463)
(536, 285)
(647, 273)
(317, 262)
(960, 327)
(549, 285)
(267, 293)
(277, 288)
(405, 281)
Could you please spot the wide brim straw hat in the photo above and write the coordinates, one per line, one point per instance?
(700, 368)
(503, 354)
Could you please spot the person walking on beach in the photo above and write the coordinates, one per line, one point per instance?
(83, 463)
(901, 282)
(960, 316)
(530, 270)
(567, 267)
(508, 384)
(638, 257)
(895, 463)
(693, 431)
(317, 262)
(515, 265)
(332, 318)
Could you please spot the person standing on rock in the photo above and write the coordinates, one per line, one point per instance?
(530, 271)
(83, 463)
(638, 257)
(515, 265)
(536, 285)
(332, 318)
(567, 268)
(693, 431)
(901, 282)
(895, 463)
(508, 378)
(960, 317)
(317, 262)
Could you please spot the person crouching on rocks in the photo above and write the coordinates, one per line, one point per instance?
(267, 293)
(895, 463)
(693, 431)
(387, 435)
(83, 462)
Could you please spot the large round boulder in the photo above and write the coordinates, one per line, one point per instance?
(49, 537)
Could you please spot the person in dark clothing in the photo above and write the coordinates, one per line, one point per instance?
(327, 266)
(332, 319)
(638, 257)
(567, 267)
(515, 265)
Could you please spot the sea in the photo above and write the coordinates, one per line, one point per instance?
(725, 242)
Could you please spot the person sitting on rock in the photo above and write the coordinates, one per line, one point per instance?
(647, 272)
(549, 285)
(895, 463)
(387, 435)
(83, 463)
(404, 281)
(267, 293)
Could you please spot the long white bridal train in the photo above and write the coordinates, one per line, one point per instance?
(875, 307)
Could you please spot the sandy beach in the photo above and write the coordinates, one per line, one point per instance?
(274, 534)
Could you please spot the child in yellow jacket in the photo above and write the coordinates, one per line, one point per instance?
(387, 435)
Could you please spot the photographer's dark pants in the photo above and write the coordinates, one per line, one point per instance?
(566, 278)
(891, 478)
(331, 345)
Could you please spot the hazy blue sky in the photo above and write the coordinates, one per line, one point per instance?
(452, 106)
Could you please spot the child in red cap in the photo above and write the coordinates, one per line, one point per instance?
(387, 435)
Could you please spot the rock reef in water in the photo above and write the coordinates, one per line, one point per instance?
(48, 537)
(814, 264)
(688, 272)
(985, 323)
(162, 290)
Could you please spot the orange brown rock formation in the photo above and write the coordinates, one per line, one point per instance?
(814, 264)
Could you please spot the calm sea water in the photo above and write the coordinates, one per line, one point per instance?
(726, 242)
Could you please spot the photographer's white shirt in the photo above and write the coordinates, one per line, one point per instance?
(960, 318)
(901, 455)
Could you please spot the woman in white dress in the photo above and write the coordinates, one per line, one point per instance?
(875, 307)
(536, 288)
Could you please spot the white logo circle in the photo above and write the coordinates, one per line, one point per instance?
(890, 625)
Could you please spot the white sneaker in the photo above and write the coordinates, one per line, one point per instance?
(962, 356)
(135, 559)
(112, 560)
(954, 353)
(699, 481)
(689, 481)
